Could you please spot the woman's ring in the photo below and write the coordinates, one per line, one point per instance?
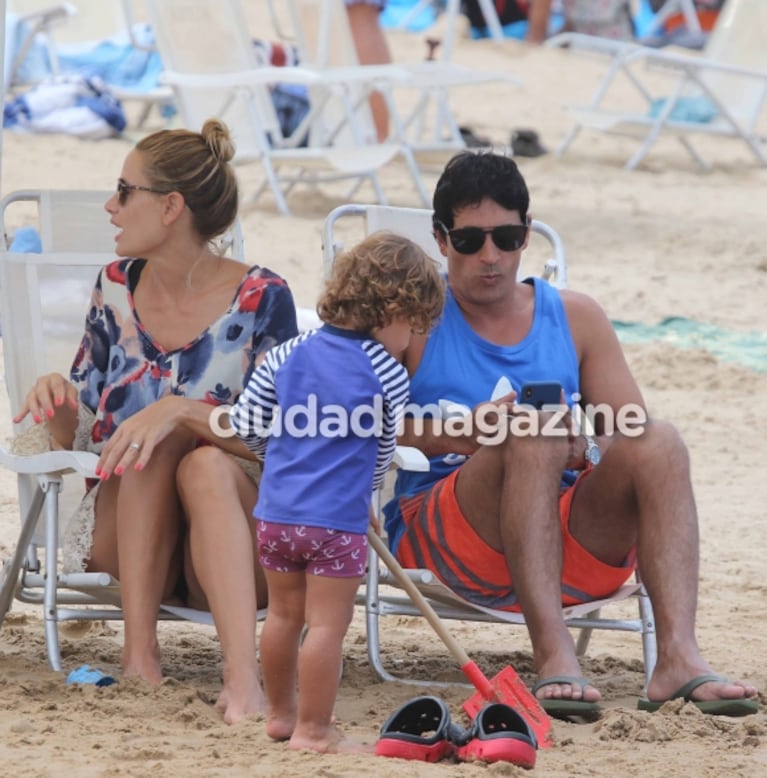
(137, 446)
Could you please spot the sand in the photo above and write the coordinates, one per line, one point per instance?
(663, 240)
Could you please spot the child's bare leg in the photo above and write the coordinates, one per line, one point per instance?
(329, 607)
(279, 649)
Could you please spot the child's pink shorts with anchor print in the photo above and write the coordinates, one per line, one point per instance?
(290, 548)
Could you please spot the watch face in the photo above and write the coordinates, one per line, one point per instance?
(593, 454)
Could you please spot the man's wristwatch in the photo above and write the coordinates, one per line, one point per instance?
(593, 455)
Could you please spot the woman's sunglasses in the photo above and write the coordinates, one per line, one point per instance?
(124, 189)
(469, 240)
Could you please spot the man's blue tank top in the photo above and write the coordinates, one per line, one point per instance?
(459, 368)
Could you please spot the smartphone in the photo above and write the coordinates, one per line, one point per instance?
(540, 393)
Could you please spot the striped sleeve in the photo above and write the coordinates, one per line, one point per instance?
(252, 415)
(396, 394)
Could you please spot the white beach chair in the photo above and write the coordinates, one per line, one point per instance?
(214, 70)
(43, 303)
(546, 252)
(77, 27)
(720, 93)
(427, 126)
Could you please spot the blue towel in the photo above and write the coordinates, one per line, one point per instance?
(744, 348)
(89, 675)
(687, 109)
(26, 240)
(116, 61)
(396, 10)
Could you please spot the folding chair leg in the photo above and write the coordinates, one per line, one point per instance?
(568, 139)
(694, 154)
(584, 635)
(52, 489)
(649, 643)
(371, 619)
(10, 571)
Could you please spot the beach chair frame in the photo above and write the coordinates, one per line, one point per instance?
(731, 75)
(213, 68)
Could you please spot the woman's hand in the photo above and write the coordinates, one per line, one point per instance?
(49, 394)
(53, 400)
(136, 438)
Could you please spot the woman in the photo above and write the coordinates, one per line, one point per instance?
(171, 331)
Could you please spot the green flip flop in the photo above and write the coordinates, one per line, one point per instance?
(741, 706)
(565, 708)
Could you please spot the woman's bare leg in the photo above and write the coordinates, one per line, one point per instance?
(138, 521)
(218, 499)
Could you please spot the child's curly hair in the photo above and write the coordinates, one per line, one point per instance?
(383, 277)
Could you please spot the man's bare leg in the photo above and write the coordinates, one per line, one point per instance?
(510, 495)
(642, 490)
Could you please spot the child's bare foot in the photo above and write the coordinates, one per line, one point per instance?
(331, 741)
(280, 727)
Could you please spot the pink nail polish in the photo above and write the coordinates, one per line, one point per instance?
(49, 413)
(36, 418)
(119, 470)
(138, 466)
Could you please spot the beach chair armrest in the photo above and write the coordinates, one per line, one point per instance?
(50, 462)
(410, 458)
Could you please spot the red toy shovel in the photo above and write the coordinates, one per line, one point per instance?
(506, 686)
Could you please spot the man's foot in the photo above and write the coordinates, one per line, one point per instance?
(710, 692)
(566, 687)
(569, 697)
(560, 678)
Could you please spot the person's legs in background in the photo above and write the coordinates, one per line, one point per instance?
(372, 49)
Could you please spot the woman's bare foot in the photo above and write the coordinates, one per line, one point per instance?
(144, 666)
(241, 695)
(331, 741)
(240, 702)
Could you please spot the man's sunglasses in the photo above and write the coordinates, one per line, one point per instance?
(469, 240)
(124, 189)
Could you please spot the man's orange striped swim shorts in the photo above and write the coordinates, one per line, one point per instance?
(438, 537)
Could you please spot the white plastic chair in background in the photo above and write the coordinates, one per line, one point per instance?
(425, 123)
(77, 27)
(721, 93)
(214, 70)
(382, 595)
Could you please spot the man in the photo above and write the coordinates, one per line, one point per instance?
(530, 522)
